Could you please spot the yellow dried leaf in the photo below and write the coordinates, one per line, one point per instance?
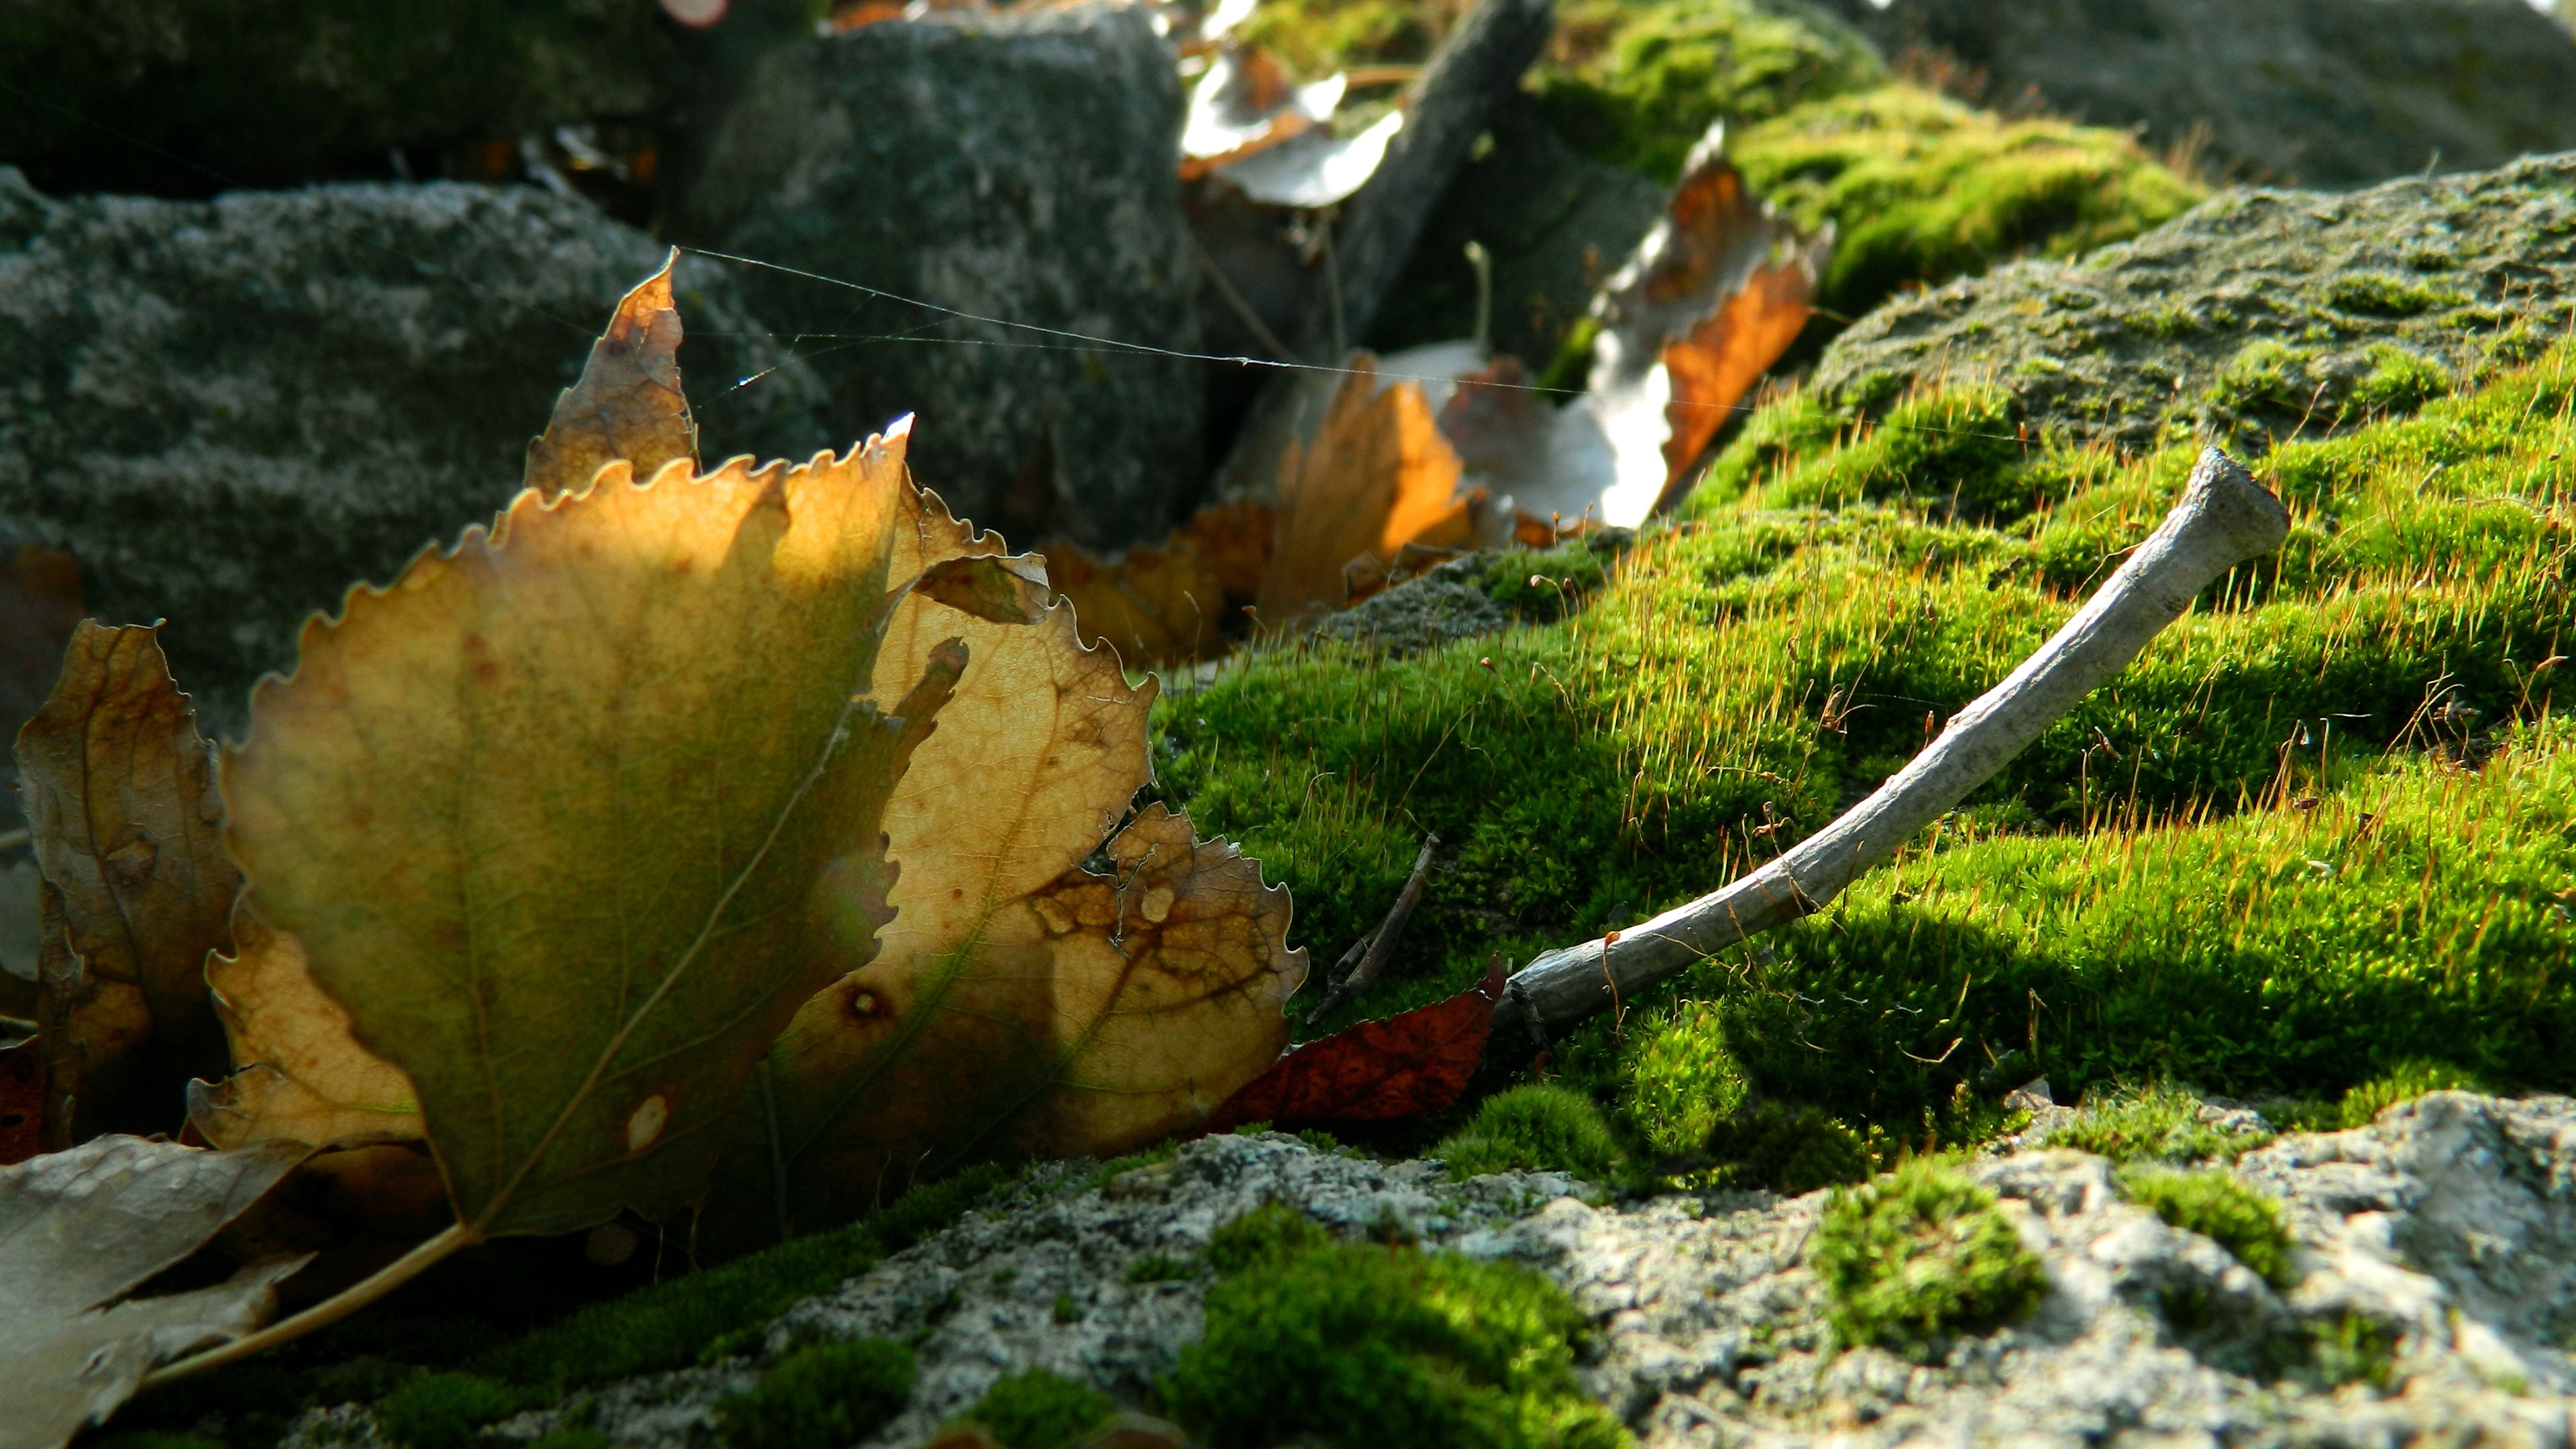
(1376, 476)
(298, 1075)
(628, 406)
(121, 802)
(573, 816)
(1016, 1008)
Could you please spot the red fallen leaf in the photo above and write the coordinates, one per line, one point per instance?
(22, 1102)
(1408, 1065)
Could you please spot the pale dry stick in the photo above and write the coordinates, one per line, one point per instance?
(2225, 518)
(1381, 944)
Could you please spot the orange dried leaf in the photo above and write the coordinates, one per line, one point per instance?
(121, 803)
(1376, 476)
(1175, 601)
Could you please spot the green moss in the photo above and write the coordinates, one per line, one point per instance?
(575, 1438)
(677, 1321)
(822, 1396)
(2265, 372)
(1788, 1149)
(2381, 294)
(447, 1411)
(2352, 1348)
(2221, 1209)
(1682, 1079)
(2405, 1082)
(1918, 1256)
(2155, 1124)
(1317, 37)
(1921, 188)
(2400, 380)
(1647, 79)
(1161, 1268)
(1035, 1409)
(1352, 1343)
(1269, 1237)
(1537, 1128)
(1955, 452)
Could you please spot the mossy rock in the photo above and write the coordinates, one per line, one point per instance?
(2257, 317)
(2147, 893)
(2335, 95)
(1310, 1337)
(1636, 85)
(1921, 188)
(1920, 1256)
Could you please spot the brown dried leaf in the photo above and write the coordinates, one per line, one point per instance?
(121, 801)
(83, 1228)
(628, 405)
(298, 1073)
(1175, 601)
(1376, 476)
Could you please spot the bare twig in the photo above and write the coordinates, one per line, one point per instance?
(1381, 945)
(2224, 519)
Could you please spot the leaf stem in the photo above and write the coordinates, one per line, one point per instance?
(329, 1311)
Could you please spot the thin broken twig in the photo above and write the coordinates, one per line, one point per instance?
(2225, 518)
(1380, 945)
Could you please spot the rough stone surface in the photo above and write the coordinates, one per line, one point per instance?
(1420, 613)
(231, 411)
(2171, 329)
(1556, 225)
(1016, 168)
(2313, 92)
(2450, 1223)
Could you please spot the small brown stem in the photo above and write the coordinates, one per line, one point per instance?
(325, 1313)
(1382, 944)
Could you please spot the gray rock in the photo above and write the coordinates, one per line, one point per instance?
(2258, 314)
(2318, 92)
(231, 411)
(2450, 1224)
(1556, 225)
(1019, 168)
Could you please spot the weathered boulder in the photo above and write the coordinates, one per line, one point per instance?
(231, 411)
(2317, 92)
(2257, 315)
(1020, 169)
(2431, 1262)
(179, 97)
